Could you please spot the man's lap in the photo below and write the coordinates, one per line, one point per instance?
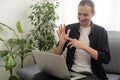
(45, 76)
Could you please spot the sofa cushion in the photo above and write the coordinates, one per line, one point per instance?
(27, 73)
(113, 77)
(114, 44)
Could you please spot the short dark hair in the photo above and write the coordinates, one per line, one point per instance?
(89, 3)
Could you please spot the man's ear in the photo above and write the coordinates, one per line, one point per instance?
(93, 13)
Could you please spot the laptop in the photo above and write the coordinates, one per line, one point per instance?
(55, 65)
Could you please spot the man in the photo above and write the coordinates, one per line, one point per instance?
(86, 43)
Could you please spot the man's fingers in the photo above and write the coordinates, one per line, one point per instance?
(68, 32)
(70, 45)
(63, 27)
(68, 38)
(58, 33)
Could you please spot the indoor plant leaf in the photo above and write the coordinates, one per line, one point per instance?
(10, 63)
(4, 53)
(13, 77)
(1, 39)
(7, 26)
(19, 27)
(13, 41)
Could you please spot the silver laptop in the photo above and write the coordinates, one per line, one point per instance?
(55, 65)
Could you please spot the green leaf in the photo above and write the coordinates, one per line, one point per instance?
(13, 77)
(30, 47)
(4, 53)
(1, 39)
(28, 50)
(19, 27)
(13, 41)
(10, 63)
(7, 26)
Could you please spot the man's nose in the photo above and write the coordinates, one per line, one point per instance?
(81, 17)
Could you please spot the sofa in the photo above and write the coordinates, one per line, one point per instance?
(112, 69)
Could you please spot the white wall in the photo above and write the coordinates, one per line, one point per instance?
(107, 13)
(10, 12)
(13, 10)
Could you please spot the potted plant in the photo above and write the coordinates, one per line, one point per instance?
(42, 18)
(18, 46)
(8, 57)
(24, 44)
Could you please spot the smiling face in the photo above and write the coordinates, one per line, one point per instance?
(85, 13)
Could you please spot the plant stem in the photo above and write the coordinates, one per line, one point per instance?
(11, 72)
(22, 59)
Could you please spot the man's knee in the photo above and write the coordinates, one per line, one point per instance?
(40, 76)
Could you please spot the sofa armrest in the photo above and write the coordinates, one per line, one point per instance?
(27, 73)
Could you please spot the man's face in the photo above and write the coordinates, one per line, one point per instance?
(85, 14)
